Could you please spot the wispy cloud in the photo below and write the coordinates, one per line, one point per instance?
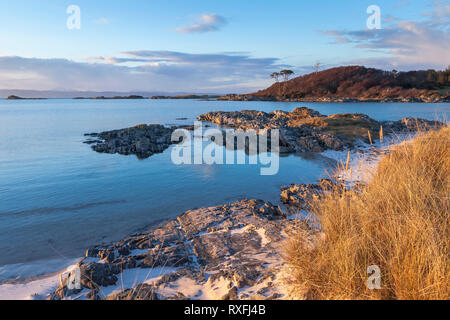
(405, 44)
(143, 70)
(113, 60)
(206, 23)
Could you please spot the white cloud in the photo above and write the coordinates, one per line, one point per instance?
(206, 23)
(141, 70)
(405, 44)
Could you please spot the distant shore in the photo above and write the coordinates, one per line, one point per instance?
(248, 98)
(427, 99)
(20, 98)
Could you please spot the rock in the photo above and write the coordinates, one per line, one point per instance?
(141, 292)
(92, 252)
(301, 195)
(94, 275)
(294, 137)
(231, 295)
(306, 130)
(408, 125)
(142, 140)
(219, 249)
(302, 130)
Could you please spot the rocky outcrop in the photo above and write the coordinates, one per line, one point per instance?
(293, 138)
(306, 130)
(302, 130)
(300, 195)
(225, 252)
(409, 125)
(142, 140)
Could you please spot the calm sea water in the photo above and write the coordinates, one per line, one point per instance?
(58, 197)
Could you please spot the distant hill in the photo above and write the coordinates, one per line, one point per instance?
(4, 93)
(359, 83)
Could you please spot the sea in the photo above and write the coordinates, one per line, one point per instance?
(58, 197)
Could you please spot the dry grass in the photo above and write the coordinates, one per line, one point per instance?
(349, 127)
(398, 222)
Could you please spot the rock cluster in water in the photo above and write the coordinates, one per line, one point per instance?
(302, 130)
(306, 130)
(142, 140)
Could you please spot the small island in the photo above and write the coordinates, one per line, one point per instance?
(13, 97)
(302, 130)
(131, 97)
(187, 97)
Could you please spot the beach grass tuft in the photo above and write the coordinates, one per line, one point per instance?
(398, 222)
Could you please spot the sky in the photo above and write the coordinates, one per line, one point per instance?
(209, 46)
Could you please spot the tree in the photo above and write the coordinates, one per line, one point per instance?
(286, 74)
(276, 76)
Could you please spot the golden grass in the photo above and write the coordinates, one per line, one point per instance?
(398, 222)
(348, 126)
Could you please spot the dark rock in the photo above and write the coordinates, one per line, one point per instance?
(142, 140)
(229, 245)
(141, 292)
(231, 295)
(94, 275)
(306, 130)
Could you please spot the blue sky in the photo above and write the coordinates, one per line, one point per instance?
(209, 46)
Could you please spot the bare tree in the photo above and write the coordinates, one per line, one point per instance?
(286, 74)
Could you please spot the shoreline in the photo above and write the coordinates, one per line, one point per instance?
(247, 98)
(260, 233)
(49, 283)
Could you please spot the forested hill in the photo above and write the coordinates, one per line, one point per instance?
(362, 83)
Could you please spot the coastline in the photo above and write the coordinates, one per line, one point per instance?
(168, 279)
(45, 286)
(244, 98)
(261, 237)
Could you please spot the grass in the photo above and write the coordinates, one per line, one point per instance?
(348, 126)
(398, 222)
